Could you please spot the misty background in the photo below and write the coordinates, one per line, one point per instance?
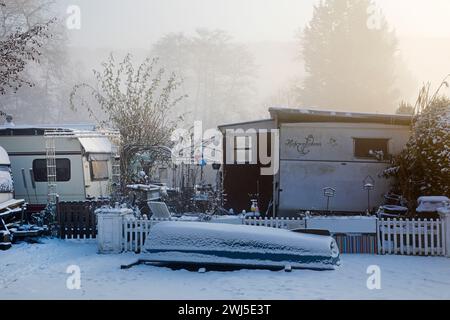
(237, 57)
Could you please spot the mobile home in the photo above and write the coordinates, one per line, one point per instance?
(76, 162)
(328, 161)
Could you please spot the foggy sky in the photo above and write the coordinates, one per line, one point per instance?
(138, 23)
(422, 26)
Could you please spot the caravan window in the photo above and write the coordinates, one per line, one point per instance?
(99, 170)
(62, 170)
(371, 148)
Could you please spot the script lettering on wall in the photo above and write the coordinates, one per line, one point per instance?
(303, 147)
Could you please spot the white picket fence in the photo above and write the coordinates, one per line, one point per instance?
(280, 223)
(411, 237)
(394, 236)
(135, 230)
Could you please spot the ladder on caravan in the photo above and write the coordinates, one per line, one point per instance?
(50, 151)
(50, 148)
(114, 137)
(50, 136)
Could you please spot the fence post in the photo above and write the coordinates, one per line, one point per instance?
(444, 213)
(110, 224)
(377, 223)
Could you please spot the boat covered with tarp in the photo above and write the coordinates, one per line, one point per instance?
(241, 245)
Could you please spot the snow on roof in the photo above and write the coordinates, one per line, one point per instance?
(317, 115)
(334, 113)
(96, 144)
(70, 126)
(4, 158)
(244, 123)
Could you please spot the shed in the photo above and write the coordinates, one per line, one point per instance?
(315, 150)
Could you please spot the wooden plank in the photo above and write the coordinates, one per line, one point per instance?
(68, 223)
(124, 235)
(408, 227)
(438, 238)
(61, 221)
(141, 234)
(11, 204)
(419, 236)
(444, 244)
(378, 236)
(93, 225)
(129, 236)
(395, 233)
(432, 237)
(87, 222)
(136, 235)
(402, 225)
(78, 219)
(388, 227)
(425, 233)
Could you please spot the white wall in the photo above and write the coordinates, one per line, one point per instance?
(330, 162)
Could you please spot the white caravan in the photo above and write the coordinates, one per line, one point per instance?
(6, 182)
(84, 162)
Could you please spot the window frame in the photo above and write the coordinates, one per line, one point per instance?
(368, 156)
(66, 179)
(246, 149)
(93, 178)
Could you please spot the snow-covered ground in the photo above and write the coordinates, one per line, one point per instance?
(38, 271)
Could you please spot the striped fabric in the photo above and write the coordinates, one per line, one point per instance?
(357, 243)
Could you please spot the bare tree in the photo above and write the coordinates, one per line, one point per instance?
(139, 102)
(17, 48)
(53, 77)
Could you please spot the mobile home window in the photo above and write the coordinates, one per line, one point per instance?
(366, 148)
(62, 170)
(99, 170)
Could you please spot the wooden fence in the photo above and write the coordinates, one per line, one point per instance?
(411, 237)
(77, 220)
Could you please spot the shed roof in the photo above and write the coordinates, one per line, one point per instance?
(312, 115)
(245, 123)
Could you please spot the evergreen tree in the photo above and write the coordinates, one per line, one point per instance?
(350, 58)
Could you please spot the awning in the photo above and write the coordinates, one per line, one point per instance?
(96, 145)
